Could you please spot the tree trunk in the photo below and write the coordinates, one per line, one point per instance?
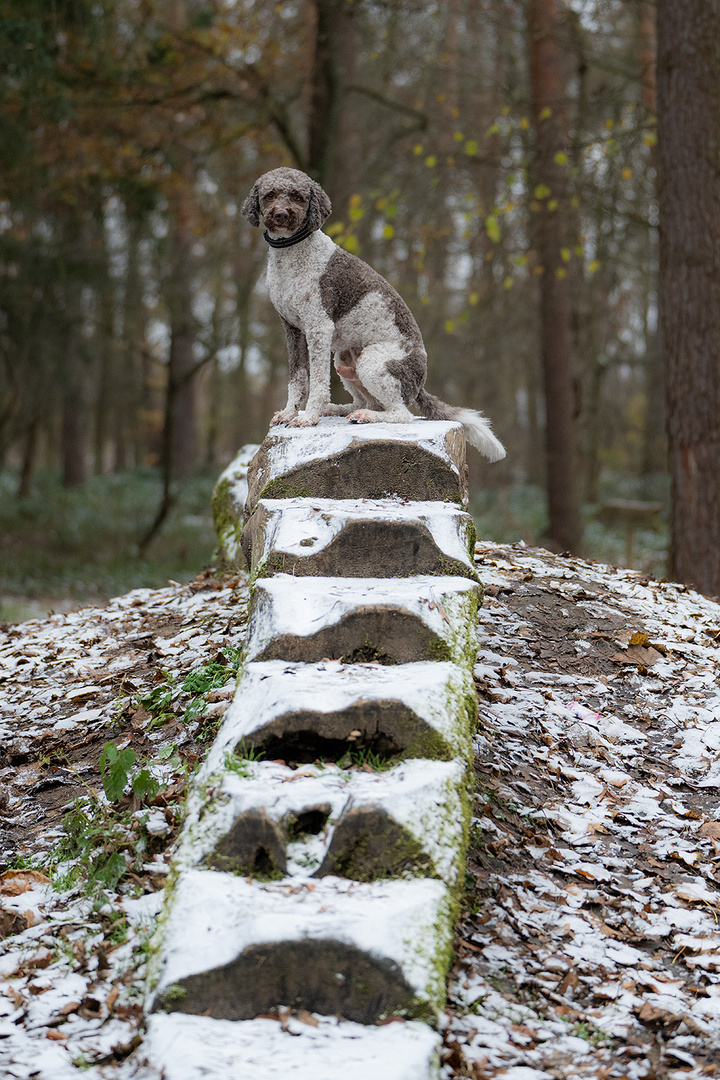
(181, 411)
(329, 138)
(654, 457)
(549, 116)
(689, 172)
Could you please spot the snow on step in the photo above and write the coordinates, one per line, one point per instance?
(395, 621)
(321, 1048)
(359, 538)
(408, 820)
(233, 948)
(422, 460)
(300, 712)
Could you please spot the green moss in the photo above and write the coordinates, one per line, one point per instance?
(428, 745)
(175, 994)
(402, 855)
(227, 520)
(438, 650)
(452, 568)
(471, 538)
(284, 488)
(369, 653)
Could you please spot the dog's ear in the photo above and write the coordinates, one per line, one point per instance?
(251, 207)
(319, 207)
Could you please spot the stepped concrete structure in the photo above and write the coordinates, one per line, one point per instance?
(320, 863)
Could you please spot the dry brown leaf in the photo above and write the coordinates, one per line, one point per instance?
(69, 1007)
(306, 1017)
(57, 1036)
(15, 882)
(711, 829)
(651, 1013)
(638, 638)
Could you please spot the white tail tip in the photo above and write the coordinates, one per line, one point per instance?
(479, 434)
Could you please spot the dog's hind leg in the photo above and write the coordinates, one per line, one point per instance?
(361, 399)
(384, 391)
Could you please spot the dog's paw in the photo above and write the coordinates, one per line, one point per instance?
(282, 417)
(304, 419)
(361, 416)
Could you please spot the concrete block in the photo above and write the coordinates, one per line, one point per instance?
(359, 538)
(272, 821)
(424, 460)
(181, 1047)
(233, 949)
(228, 504)
(394, 621)
(302, 712)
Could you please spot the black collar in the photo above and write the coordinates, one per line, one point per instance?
(287, 241)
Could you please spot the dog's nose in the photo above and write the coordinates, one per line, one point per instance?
(281, 216)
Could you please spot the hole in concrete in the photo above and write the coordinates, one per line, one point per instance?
(263, 865)
(303, 747)
(309, 822)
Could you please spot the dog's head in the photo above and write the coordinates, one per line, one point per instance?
(284, 200)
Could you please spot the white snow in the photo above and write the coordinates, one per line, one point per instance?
(190, 1047)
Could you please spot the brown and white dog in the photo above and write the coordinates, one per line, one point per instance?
(332, 302)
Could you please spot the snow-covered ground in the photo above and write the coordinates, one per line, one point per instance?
(588, 945)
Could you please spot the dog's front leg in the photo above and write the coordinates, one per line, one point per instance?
(319, 342)
(298, 380)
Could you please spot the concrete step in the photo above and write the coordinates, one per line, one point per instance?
(394, 621)
(264, 819)
(302, 712)
(424, 460)
(359, 538)
(234, 948)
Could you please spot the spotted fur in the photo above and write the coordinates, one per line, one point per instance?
(331, 302)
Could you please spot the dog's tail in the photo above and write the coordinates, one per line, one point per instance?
(477, 427)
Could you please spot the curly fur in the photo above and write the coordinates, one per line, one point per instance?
(331, 302)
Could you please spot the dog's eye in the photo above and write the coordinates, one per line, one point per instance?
(296, 196)
(269, 195)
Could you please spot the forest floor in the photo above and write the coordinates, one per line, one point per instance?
(588, 945)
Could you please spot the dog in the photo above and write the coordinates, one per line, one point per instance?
(331, 302)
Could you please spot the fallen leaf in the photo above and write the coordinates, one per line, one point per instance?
(83, 692)
(651, 1013)
(69, 1007)
(306, 1017)
(711, 829)
(15, 882)
(57, 1036)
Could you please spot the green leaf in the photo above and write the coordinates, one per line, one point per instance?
(111, 871)
(144, 784)
(115, 766)
(492, 228)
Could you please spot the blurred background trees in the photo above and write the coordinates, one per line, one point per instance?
(494, 159)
